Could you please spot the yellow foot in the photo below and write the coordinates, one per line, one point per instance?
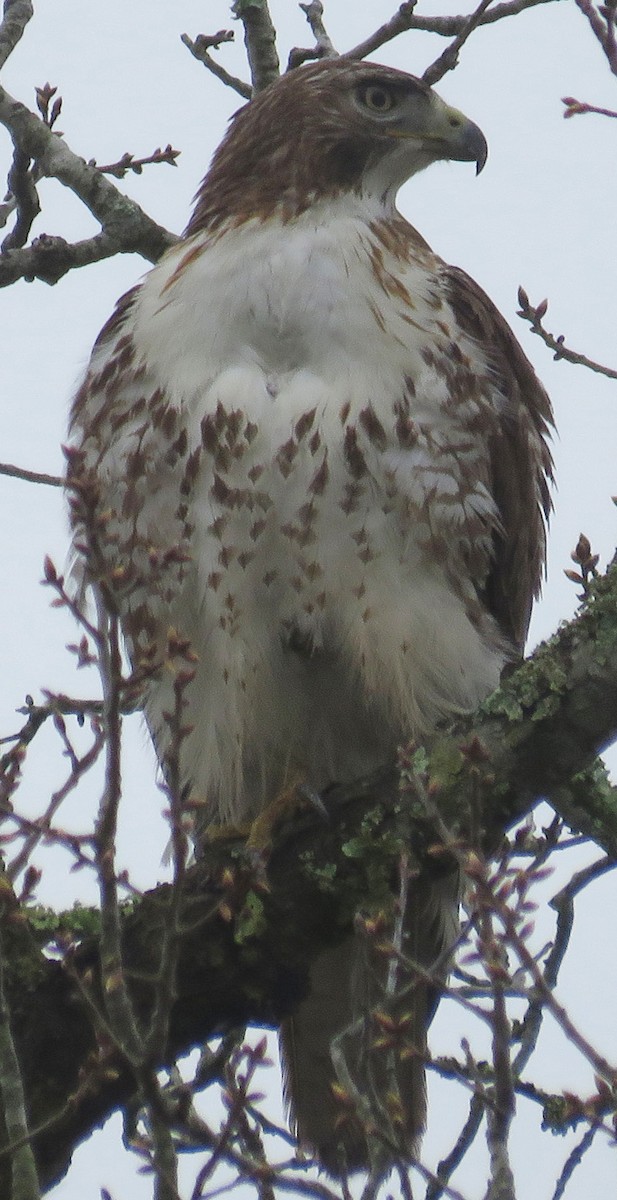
(293, 797)
(258, 834)
(222, 833)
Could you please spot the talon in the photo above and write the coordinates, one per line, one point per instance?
(313, 799)
(285, 804)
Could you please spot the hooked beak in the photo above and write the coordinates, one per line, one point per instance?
(446, 133)
(468, 143)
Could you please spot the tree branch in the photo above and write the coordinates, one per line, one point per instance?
(557, 344)
(323, 47)
(49, 258)
(126, 228)
(17, 13)
(259, 40)
(247, 943)
(443, 26)
(22, 472)
(199, 49)
(449, 59)
(538, 735)
(24, 1182)
(601, 22)
(22, 190)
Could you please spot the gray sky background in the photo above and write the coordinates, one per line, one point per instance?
(542, 215)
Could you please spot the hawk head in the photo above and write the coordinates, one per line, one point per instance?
(331, 127)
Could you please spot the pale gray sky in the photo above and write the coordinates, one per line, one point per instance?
(541, 215)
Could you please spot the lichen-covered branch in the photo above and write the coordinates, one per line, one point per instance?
(539, 734)
(49, 258)
(259, 40)
(23, 191)
(126, 228)
(250, 928)
(16, 15)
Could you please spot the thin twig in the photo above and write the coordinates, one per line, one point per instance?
(118, 1003)
(603, 1068)
(404, 20)
(465, 1140)
(449, 59)
(563, 903)
(602, 28)
(24, 1173)
(573, 1160)
(323, 47)
(31, 476)
(534, 315)
(42, 828)
(199, 49)
(575, 107)
(499, 1115)
(128, 162)
(165, 991)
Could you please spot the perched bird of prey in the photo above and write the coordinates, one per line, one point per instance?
(318, 453)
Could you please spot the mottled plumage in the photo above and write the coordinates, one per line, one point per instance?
(320, 456)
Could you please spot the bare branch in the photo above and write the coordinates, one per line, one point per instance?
(216, 40)
(17, 13)
(323, 47)
(314, 16)
(49, 258)
(259, 40)
(574, 107)
(199, 49)
(125, 225)
(29, 476)
(432, 1179)
(604, 1069)
(118, 1006)
(22, 191)
(33, 832)
(128, 162)
(563, 904)
(477, 1108)
(499, 1114)
(449, 59)
(444, 26)
(557, 344)
(573, 1160)
(602, 23)
(24, 1173)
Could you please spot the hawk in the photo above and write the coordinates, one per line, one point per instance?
(317, 453)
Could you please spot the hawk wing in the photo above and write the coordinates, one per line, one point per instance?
(521, 464)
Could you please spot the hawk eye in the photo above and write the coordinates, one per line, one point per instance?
(377, 98)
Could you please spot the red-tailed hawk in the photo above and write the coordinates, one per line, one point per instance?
(317, 452)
